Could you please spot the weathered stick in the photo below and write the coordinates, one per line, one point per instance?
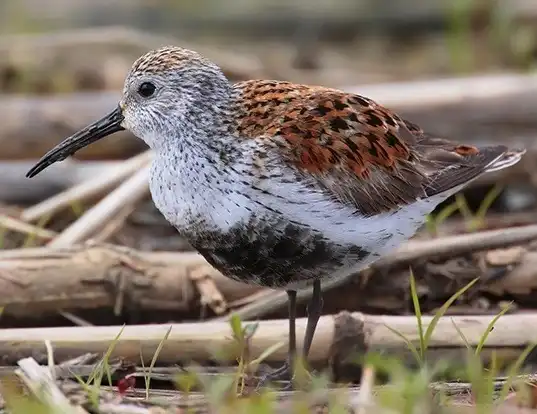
(131, 191)
(13, 224)
(40, 280)
(89, 276)
(87, 189)
(40, 381)
(15, 188)
(336, 337)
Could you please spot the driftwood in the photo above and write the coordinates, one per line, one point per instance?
(337, 338)
(43, 280)
(15, 188)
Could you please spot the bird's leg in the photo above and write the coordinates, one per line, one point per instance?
(285, 371)
(315, 308)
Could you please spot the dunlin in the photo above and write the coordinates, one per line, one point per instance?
(279, 184)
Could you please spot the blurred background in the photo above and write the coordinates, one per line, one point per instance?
(462, 69)
(338, 43)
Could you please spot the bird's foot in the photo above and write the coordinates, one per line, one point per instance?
(284, 373)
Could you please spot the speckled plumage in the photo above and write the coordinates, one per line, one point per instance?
(316, 182)
(280, 184)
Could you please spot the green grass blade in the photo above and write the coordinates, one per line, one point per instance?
(485, 205)
(489, 329)
(97, 374)
(443, 309)
(446, 213)
(154, 360)
(514, 370)
(266, 353)
(463, 337)
(417, 311)
(409, 344)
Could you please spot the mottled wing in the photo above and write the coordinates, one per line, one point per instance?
(357, 151)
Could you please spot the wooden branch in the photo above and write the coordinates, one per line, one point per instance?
(42, 385)
(88, 188)
(337, 338)
(37, 281)
(15, 188)
(129, 192)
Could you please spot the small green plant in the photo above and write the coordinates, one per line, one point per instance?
(425, 336)
(459, 35)
(42, 223)
(93, 384)
(473, 221)
(147, 377)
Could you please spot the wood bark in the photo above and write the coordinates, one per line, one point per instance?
(338, 338)
(38, 281)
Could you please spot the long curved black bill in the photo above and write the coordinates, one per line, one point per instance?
(105, 126)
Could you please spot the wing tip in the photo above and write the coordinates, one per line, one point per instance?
(506, 159)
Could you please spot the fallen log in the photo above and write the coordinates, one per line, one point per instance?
(37, 281)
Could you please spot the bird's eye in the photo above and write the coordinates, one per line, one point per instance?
(146, 89)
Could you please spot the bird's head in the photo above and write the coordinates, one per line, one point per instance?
(166, 90)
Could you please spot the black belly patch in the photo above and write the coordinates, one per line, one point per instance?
(272, 253)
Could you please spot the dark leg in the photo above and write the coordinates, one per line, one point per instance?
(285, 372)
(315, 308)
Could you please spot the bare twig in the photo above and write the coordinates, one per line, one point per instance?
(364, 397)
(39, 380)
(86, 189)
(77, 320)
(209, 292)
(452, 246)
(13, 224)
(132, 190)
(114, 224)
(50, 358)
